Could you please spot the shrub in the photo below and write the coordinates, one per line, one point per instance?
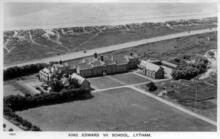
(191, 70)
(151, 86)
(14, 72)
(24, 102)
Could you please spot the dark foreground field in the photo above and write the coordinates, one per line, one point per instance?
(114, 110)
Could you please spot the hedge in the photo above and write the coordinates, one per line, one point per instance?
(14, 103)
(19, 102)
(26, 125)
(14, 72)
(191, 70)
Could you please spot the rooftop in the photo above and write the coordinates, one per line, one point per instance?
(121, 60)
(84, 66)
(150, 66)
(131, 56)
(97, 63)
(169, 64)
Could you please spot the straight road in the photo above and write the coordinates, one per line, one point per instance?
(105, 49)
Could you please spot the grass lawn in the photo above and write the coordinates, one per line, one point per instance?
(26, 50)
(114, 110)
(205, 102)
(129, 78)
(10, 89)
(103, 82)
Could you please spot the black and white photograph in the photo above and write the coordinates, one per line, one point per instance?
(109, 66)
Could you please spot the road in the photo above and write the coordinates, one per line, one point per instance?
(105, 49)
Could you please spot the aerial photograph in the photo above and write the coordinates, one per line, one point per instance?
(110, 67)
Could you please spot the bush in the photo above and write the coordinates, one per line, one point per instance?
(151, 86)
(10, 115)
(13, 103)
(24, 102)
(191, 70)
(14, 72)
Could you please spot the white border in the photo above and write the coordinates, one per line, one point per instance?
(58, 135)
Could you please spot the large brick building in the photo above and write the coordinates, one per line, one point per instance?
(90, 67)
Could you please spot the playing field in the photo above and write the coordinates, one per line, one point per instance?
(123, 109)
(116, 80)
(129, 78)
(104, 82)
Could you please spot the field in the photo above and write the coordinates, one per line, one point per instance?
(200, 97)
(22, 46)
(116, 80)
(169, 49)
(103, 82)
(114, 110)
(130, 78)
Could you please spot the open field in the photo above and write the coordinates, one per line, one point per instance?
(22, 46)
(129, 78)
(169, 49)
(103, 82)
(116, 80)
(123, 109)
(199, 97)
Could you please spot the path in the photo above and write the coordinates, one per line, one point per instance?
(81, 54)
(176, 106)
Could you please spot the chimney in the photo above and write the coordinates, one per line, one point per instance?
(102, 58)
(95, 55)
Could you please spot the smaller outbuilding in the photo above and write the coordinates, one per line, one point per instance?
(152, 70)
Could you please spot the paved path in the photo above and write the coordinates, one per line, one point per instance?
(176, 106)
(105, 49)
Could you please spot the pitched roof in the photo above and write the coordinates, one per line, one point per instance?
(109, 60)
(121, 60)
(131, 56)
(97, 63)
(169, 64)
(79, 78)
(150, 66)
(84, 66)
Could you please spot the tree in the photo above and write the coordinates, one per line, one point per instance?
(151, 86)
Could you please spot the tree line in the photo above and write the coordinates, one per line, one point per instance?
(14, 103)
(14, 72)
(191, 70)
